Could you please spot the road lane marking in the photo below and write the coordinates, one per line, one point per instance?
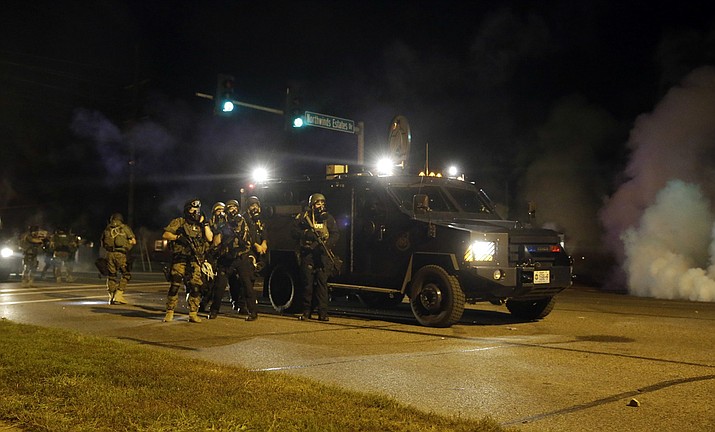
(51, 300)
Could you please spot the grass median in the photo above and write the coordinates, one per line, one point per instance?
(57, 380)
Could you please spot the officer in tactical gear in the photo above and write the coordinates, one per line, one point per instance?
(31, 243)
(317, 233)
(117, 239)
(235, 266)
(190, 236)
(218, 219)
(64, 245)
(257, 231)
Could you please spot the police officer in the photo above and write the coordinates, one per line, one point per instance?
(218, 219)
(190, 236)
(64, 245)
(117, 239)
(235, 266)
(31, 243)
(257, 231)
(315, 229)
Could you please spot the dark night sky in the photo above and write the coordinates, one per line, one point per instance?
(495, 86)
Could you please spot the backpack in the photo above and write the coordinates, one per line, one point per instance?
(114, 237)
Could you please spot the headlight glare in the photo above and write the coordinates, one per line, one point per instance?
(481, 251)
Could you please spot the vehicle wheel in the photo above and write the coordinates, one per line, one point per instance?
(382, 300)
(283, 289)
(437, 298)
(531, 309)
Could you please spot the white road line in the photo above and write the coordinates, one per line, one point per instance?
(45, 289)
(51, 300)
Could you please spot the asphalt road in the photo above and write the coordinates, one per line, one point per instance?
(577, 369)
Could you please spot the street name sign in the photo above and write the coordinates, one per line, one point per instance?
(329, 122)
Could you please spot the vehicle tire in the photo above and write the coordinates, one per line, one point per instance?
(382, 300)
(437, 297)
(284, 289)
(531, 309)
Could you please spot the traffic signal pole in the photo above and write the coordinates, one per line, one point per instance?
(245, 104)
(359, 128)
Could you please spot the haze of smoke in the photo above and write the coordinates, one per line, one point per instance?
(666, 254)
(94, 126)
(674, 142)
(564, 177)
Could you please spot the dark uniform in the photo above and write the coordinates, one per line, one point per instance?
(117, 239)
(218, 219)
(257, 231)
(315, 263)
(190, 236)
(234, 263)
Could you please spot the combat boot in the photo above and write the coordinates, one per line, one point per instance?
(170, 305)
(194, 309)
(119, 297)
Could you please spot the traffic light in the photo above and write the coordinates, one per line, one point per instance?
(224, 95)
(295, 116)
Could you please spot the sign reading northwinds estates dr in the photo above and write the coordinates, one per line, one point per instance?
(329, 122)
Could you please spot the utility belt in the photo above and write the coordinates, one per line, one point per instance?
(116, 249)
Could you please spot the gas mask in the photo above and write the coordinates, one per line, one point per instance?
(254, 211)
(192, 211)
(319, 211)
(232, 211)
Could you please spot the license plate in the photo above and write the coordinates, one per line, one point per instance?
(542, 276)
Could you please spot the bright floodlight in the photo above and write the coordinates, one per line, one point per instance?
(228, 106)
(385, 166)
(452, 171)
(260, 175)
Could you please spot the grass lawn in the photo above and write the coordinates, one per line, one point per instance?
(57, 380)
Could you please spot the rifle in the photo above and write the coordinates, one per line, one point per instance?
(334, 259)
(205, 266)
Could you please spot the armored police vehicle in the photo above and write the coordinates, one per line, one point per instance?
(438, 241)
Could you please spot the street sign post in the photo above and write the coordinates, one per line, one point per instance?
(329, 122)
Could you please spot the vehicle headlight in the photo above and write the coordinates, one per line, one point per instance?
(481, 251)
(6, 252)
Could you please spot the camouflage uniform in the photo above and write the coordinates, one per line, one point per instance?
(117, 239)
(189, 246)
(31, 244)
(64, 246)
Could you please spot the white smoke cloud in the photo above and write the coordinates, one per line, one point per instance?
(659, 222)
(667, 253)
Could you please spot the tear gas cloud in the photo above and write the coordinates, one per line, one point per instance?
(659, 222)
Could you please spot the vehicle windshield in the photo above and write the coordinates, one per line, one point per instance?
(442, 198)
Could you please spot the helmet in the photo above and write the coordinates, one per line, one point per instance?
(315, 198)
(252, 200)
(218, 206)
(116, 217)
(192, 209)
(233, 208)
